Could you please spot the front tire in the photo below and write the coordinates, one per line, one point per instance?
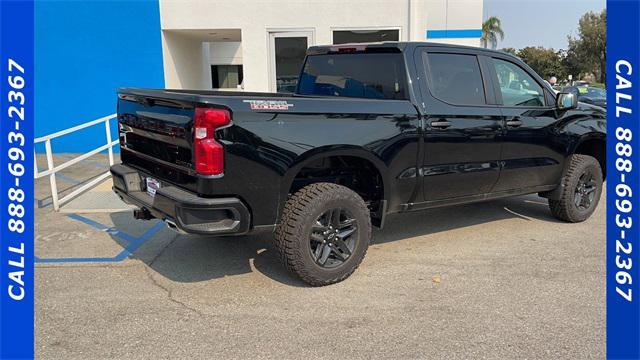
(581, 188)
(324, 233)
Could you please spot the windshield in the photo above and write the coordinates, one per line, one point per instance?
(592, 92)
(362, 75)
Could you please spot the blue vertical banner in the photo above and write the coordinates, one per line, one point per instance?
(623, 179)
(16, 180)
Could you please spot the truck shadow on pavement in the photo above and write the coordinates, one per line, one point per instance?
(190, 258)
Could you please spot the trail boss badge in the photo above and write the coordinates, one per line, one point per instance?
(268, 104)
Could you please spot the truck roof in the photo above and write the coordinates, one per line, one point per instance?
(394, 46)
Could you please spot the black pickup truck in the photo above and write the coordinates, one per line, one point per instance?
(372, 129)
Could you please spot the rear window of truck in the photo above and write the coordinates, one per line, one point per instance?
(372, 76)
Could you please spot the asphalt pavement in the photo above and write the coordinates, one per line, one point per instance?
(494, 280)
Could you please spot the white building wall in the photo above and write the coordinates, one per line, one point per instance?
(256, 18)
(183, 67)
(453, 15)
(225, 53)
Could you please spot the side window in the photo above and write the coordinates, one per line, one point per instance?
(455, 78)
(516, 86)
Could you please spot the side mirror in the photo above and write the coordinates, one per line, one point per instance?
(566, 101)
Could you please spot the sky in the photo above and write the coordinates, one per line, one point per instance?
(539, 22)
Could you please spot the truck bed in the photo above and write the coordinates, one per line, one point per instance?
(268, 135)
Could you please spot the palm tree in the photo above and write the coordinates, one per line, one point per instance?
(491, 30)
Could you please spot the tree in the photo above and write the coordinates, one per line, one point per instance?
(588, 51)
(491, 30)
(546, 62)
(573, 64)
(510, 50)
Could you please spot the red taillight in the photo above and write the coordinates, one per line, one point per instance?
(208, 153)
(348, 48)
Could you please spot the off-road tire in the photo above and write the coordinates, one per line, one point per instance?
(292, 235)
(565, 208)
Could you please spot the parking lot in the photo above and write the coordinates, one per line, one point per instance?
(494, 280)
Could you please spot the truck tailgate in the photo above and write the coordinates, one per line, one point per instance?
(156, 135)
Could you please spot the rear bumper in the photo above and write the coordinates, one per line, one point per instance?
(189, 212)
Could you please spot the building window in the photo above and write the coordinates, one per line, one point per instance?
(290, 53)
(226, 76)
(364, 36)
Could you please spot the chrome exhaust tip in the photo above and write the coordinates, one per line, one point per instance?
(172, 225)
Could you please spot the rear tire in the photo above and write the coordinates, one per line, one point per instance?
(581, 188)
(324, 233)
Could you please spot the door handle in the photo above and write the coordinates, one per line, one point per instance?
(440, 124)
(514, 123)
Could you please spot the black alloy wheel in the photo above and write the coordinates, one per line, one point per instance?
(585, 190)
(333, 238)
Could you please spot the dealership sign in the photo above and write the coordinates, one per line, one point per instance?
(16, 180)
(623, 180)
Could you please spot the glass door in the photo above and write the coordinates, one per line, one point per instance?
(287, 51)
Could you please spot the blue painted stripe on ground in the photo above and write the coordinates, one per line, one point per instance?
(134, 242)
(132, 247)
(110, 230)
(67, 179)
(87, 161)
(41, 202)
(64, 178)
(88, 221)
(448, 34)
(74, 260)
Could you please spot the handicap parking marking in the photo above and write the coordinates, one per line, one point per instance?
(68, 179)
(64, 178)
(109, 230)
(95, 164)
(133, 242)
(41, 203)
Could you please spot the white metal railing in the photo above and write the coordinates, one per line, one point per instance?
(53, 169)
